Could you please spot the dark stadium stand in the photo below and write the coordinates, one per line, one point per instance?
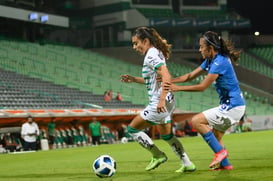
(150, 12)
(264, 52)
(22, 92)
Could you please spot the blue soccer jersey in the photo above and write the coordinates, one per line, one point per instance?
(227, 85)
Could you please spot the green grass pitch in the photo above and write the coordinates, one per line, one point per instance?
(250, 153)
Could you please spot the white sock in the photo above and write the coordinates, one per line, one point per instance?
(146, 142)
(179, 150)
(186, 160)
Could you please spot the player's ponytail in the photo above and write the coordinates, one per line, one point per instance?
(161, 44)
(155, 39)
(225, 47)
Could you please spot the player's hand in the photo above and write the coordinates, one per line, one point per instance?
(161, 106)
(127, 78)
(170, 87)
(31, 134)
(159, 79)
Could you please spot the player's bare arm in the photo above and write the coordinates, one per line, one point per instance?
(129, 79)
(209, 79)
(189, 76)
(166, 78)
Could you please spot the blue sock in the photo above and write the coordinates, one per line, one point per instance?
(212, 142)
(215, 145)
(225, 162)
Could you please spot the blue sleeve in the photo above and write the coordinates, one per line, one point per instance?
(218, 67)
(204, 65)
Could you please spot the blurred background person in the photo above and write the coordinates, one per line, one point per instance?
(118, 97)
(29, 133)
(51, 132)
(95, 131)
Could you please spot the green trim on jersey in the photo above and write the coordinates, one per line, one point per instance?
(151, 122)
(158, 65)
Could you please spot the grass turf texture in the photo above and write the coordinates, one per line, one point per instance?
(250, 153)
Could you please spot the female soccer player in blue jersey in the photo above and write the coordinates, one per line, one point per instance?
(149, 43)
(219, 55)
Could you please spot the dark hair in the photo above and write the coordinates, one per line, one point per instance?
(156, 40)
(225, 47)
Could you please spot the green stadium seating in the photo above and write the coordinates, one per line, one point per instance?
(82, 69)
(252, 63)
(265, 53)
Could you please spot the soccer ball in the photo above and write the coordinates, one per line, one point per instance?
(104, 166)
(124, 140)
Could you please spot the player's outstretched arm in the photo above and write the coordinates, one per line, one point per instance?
(129, 79)
(189, 76)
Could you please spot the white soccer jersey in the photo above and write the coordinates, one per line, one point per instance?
(153, 59)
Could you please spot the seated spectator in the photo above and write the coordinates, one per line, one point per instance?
(118, 97)
(110, 94)
(10, 143)
(106, 96)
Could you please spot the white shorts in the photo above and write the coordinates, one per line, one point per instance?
(221, 119)
(151, 115)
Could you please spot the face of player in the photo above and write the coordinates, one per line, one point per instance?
(140, 46)
(206, 51)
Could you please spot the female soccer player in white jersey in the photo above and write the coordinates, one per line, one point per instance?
(219, 55)
(149, 43)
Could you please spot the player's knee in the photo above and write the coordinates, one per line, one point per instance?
(196, 121)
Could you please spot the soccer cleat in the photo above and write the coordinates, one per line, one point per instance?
(183, 168)
(190, 168)
(218, 157)
(228, 167)
(155, 162)
(180, 170)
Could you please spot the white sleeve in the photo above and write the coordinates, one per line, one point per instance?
(23, 131)
(37, 129)
(154, 58)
